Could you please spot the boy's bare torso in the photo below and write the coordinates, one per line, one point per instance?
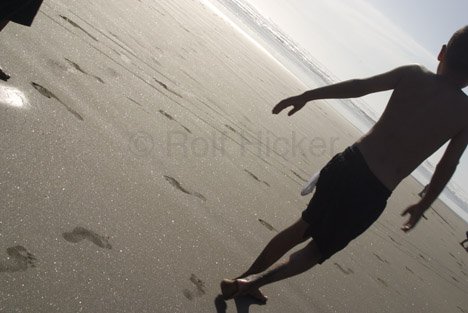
(423, 113)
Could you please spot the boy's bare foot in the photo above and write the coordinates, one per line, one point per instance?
(258, 295)
(4, 76)
(233, 288)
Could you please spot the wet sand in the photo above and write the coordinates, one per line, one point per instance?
(141, 165)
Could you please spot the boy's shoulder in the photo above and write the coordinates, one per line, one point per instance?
(414, 68)
(413, 74)
(416, 71)
(412, 77)
(420, 75)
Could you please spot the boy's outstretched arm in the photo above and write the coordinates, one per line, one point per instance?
(444, 171)
(348, 89)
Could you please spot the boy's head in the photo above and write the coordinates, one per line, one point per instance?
(455, 53)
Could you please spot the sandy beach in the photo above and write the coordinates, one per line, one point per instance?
(141, 165)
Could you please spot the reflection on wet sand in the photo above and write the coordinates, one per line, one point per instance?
(13, 97)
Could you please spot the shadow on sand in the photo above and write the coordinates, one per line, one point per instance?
(242, 304)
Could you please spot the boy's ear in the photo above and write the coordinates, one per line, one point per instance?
(442, 53)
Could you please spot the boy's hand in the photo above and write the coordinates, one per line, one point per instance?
(296, 102)
(416, 212)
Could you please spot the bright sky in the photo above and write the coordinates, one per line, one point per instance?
(358, 38)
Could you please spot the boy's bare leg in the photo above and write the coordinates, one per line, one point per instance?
(295, 264)
(275, 249)
(278, 246)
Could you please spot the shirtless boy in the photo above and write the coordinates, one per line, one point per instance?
(425, 111)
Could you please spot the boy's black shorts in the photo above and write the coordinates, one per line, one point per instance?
(348, 199)
(19, 11)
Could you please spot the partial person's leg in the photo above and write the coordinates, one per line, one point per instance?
(295, 264)
(275, 249)
(3, 76)
(278, 246)
(3, 23)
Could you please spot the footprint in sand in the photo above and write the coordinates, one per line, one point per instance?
(71, 67)
(252, 175)
(393, 239)
(79, 69)
(57, 65)
(241, 134)
(72, 23)
(80, 233)
(383, 282)
(48, 94)
(160, 83)
(381, 259)
(299, 176)
(169, 117)
(178, 186)
(422, 257)
(20, 259)
(44, 91)
(112, 72)
(256, 178)
(200, 288)
(343, 270)
(267, 225)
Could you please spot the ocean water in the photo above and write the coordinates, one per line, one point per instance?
(312, 73)
(291, 55)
